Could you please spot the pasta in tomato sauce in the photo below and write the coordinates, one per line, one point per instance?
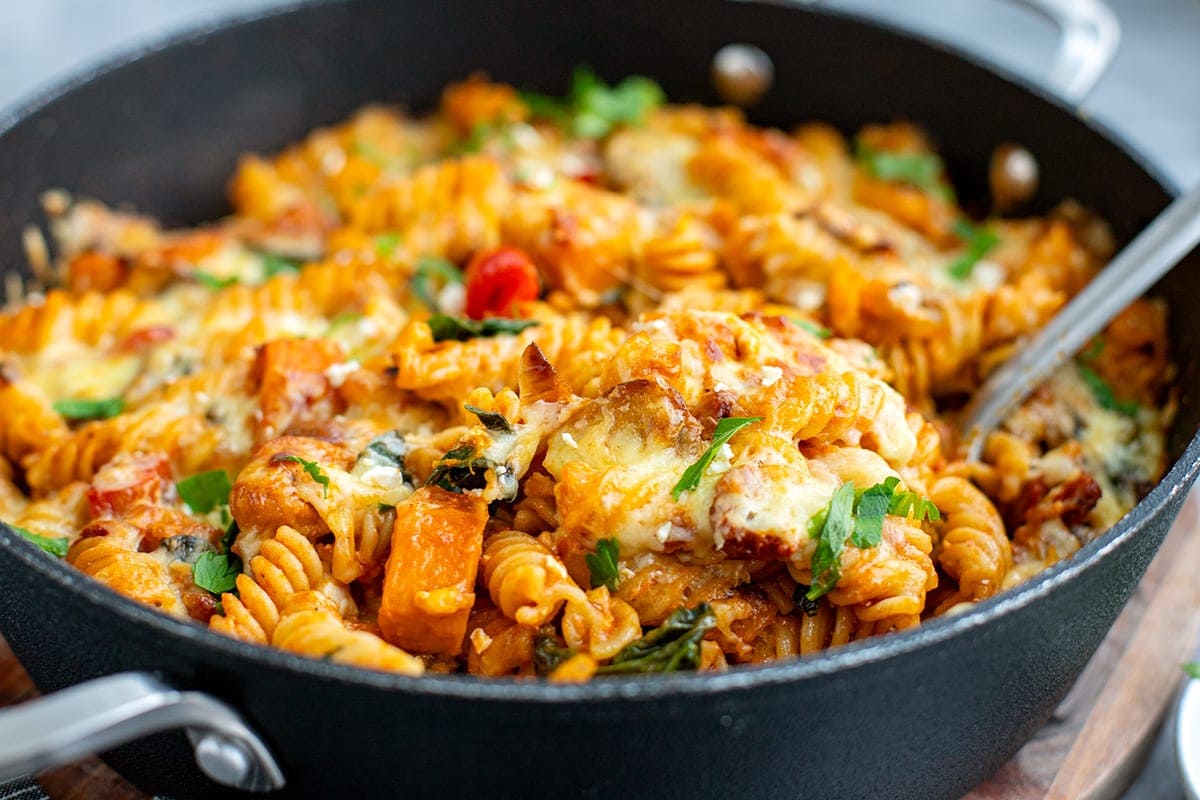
(567, 387)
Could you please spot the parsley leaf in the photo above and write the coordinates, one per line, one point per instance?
(459, 329)
(311, 467)
(872, 507)
(603, 564)
(911, 504)
(90, 409)
(492, 420)
(386, 244)
(819, 331)
(429, 267)
(275, 264)
(1104, 393)
(980, 241)
(216, 572)
(674, 645)
(54, 545)
(922, 170)
(836, 523)
(593, 108)
(342, 320)
(210, 281)
(205, 491)
(725, 430)
(1192, 669)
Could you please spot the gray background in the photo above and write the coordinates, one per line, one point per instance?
(1151, 95)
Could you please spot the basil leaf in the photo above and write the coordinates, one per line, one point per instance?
(54, 545)
(603, 564)
(836, 527)
(725, 430)
(980, 242)
(459, 329)
(216, 572)
(210, 281)
(1104, 394)
(90, 409)
(311, 467)
(491, 420)
(673, 646)
(429, 267)
(205, 491)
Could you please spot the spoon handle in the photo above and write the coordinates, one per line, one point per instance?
(1157, 249)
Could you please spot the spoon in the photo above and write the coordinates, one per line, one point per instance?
(1157, 249)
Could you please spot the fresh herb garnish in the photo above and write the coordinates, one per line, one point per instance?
(459, 329)
(922, 170)
(675, 645)
(980, 241)
(387, 449)
(210, 281)
(216, 572)
(312, 468)
(90, 409)
(205, 491)
(460, 470)
(1104, 393)
(1093, 350)
(342, 320)
(548, 653)
(603, 564)
(816, 330)
(386, 244)
(857, 516)
(54, 545)
(492, 420)
(1192, 669)
(725, 430)
(429, 267)
(274, 264)
(800, 601)
(371, 153)
(592, 108)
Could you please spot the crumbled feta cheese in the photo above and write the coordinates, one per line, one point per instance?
(337, 373)
(771, 375)
(452, 299)
(722, 460)
(663, 532)
(569, 440)
(987, 275)
(383, 477)
(906, 295)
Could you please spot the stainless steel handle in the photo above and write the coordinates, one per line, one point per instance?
(1157, 249)
(104, 713)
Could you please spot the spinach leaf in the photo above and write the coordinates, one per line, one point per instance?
(459, 329)
(673, 646)
(53, 545)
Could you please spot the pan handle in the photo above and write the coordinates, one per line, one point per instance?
(104, 713)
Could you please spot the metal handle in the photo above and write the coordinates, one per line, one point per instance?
(1157, 249)
(107, 712)
(1089, 35)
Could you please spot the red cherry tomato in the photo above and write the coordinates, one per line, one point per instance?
(126, 481)
(497, 280)
(143, 338)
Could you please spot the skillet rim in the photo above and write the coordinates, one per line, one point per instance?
(208, 644)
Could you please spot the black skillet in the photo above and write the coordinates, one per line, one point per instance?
(927, 713)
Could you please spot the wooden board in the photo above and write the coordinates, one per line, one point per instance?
(1091, 749)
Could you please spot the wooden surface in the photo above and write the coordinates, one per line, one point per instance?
(1090, 750)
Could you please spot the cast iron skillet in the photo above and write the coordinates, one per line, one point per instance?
(926, 713)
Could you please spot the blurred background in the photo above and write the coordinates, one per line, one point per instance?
(1150, 95)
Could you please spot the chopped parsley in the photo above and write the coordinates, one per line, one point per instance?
(386, 244)
(312, 468)
(923, 170)
(216, 572)
(673, 646)
(980, 241)
(446, 328)
(205, 491)
(725, 430)
(342, 320)
(592, 108)
(54, 545)
(492, 420)
(603, 564)
(210, 281)
(1104, 393)
(90, 409)
(857, 516)
(1192, 669)
(819, 331)
(274, 264)
(428, 268)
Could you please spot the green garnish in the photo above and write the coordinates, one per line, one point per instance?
(429, 267)
(603, 564)
(231, 533)
(312, 468)
(342, 320)
(210, 281)
(857, 516)
(90, 409)
(492, 420)
(816, 330)
(980, 241)
(592, 108)
(386, 244)
(53, 545)
(1104, 393)
(460, 470)
(216, 572)
(675, 645)
(275, 264)
(1192, 669)
(922, 170)
(548, 653)
(725, 430)
(205, 491)
(371, 153)
(446, 328)
(1093, 350)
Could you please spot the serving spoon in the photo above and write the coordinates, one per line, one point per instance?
(1154, 252)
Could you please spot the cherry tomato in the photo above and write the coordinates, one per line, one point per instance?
(126, 481)
(143, 338)
(497, 280)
